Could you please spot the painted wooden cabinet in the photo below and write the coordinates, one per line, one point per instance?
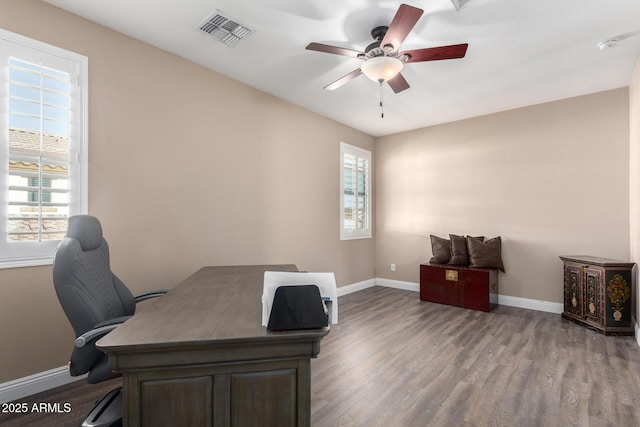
(598, 293)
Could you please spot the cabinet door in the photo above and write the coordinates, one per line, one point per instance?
(573, 292)
(618, 299)
(266, 398)
(593, 295)
(185, 401)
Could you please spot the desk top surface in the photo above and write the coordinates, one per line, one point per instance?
(215, 304)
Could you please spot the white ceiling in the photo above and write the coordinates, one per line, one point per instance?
(521, 52)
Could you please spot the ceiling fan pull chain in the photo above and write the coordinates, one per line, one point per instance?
(381, 107)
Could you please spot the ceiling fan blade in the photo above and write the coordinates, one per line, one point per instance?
(342, 80)
(404, 21)
(436, 53)
(319, 47)
(398, 83)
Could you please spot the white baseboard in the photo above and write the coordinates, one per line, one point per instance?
(398, 284)
(355, 287)
(530, 304)
(36, 383)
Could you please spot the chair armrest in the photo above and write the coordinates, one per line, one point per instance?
(108, 326)
(100, 329)
(94, 333)
(149, 295)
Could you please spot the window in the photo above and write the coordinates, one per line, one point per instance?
(43, 147)
(355, 192)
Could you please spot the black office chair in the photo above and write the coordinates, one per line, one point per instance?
(95, 302)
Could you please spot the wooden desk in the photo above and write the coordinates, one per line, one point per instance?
(199, 356)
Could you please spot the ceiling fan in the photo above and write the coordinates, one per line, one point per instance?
(383, 60)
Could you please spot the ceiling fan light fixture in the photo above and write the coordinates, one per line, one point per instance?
(381, 68)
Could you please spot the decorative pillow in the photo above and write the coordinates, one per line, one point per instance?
(441, 249)
(485, 254)
(459, 253)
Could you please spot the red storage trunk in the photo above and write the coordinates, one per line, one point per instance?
(474, 288)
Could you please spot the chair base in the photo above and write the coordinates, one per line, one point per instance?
(107, 412)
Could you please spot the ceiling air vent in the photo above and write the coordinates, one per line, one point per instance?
(224, 29)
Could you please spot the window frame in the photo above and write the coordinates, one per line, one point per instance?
(29, 253)
(356, 233)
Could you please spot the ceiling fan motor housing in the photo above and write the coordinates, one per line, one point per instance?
(378, 33)
(374, 48)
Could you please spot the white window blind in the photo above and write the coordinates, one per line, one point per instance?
(355, 192)
(44, 142)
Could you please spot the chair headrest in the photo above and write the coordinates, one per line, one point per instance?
(87, 230)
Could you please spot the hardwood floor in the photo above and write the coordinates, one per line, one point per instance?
(397, 361)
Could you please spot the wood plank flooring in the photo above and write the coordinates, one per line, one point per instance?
(397, 361)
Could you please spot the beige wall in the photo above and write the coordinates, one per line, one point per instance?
(634, 179)
(186, 168)
(550, 179)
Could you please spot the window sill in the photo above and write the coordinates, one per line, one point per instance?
(25, 262)
(355, 237)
